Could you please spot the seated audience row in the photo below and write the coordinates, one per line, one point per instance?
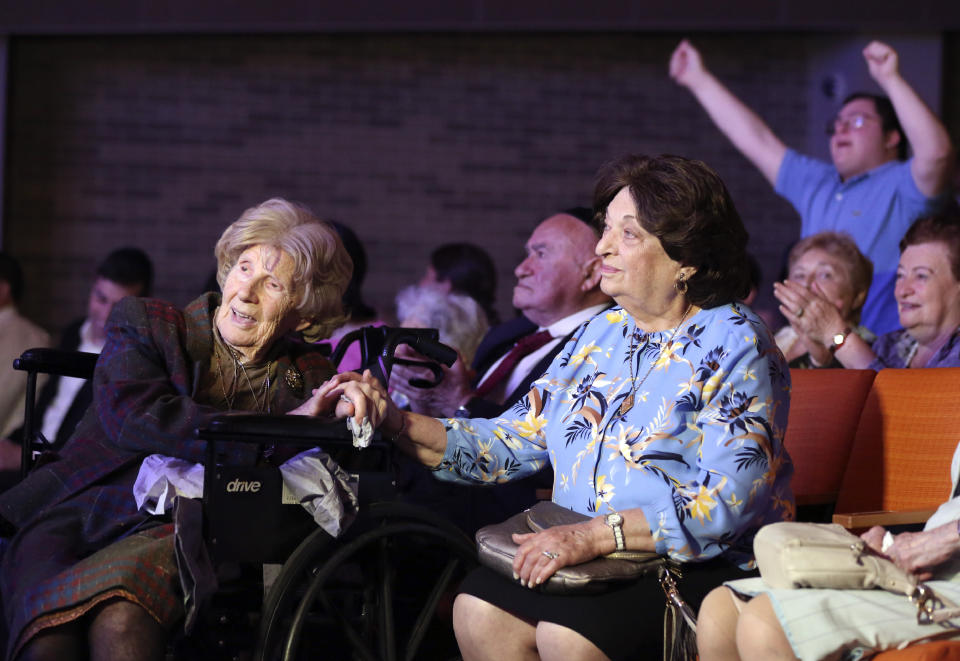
(826, 287)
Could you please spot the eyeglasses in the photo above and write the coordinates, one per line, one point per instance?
(855, 122)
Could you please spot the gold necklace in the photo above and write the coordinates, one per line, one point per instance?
(627, 403)
(229, 398)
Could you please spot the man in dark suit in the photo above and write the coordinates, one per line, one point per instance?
(63, 400)
(558, 288)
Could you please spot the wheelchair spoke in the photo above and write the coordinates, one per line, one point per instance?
(430, 608)
(388, 634)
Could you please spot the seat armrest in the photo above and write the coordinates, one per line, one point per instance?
(78, 364)
(863, 520)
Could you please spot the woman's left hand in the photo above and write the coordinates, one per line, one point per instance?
(541, 554)
(921, 552)
(348, 394)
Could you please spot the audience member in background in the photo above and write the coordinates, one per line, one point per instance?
(557, 290)
(359, 313)
(16, 335)
(460, 319)
(64, 400)
(928, 299)
(825, 270)
(467, 269)
(868, 178)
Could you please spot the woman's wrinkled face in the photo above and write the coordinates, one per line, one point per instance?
(258, 301)
(636, 270)
(830, 275)
(928, 296)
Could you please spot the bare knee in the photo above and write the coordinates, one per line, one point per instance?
(759, 634)
(485, 631)
(121, 629)
(717, 626)
(555, 642)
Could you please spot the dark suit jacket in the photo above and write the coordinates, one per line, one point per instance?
(497, 342)
(69, 341)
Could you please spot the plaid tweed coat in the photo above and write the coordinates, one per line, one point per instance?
(144, 388)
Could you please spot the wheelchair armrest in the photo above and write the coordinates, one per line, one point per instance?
(279, 429)
(79, 364)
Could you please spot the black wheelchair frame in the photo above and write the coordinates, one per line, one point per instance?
(354, 595)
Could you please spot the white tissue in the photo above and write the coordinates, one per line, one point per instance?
(362, 433)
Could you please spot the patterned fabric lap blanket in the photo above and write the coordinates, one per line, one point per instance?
(141, 568)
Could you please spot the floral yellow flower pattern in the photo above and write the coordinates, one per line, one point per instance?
(700, 451)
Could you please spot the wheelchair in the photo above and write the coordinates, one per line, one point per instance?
(381, 590)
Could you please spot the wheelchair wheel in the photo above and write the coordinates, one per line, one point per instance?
(373, 595)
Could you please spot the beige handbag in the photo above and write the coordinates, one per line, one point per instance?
(791, 554)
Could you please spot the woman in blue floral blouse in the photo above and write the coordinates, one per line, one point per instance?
(667, 410)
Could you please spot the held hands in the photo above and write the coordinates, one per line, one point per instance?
(686, 65)
(349, 395)
(882, 61)
(541, 554)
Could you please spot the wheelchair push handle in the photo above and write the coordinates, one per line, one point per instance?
(378, 344)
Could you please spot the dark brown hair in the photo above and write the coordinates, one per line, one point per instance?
(944, 227)
(684, 204)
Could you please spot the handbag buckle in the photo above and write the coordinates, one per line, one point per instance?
(926, 602)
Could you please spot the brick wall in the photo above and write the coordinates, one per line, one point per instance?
(414, 140)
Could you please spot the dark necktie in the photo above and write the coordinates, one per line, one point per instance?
(526, 345)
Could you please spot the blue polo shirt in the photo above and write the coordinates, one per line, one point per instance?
(875, 208)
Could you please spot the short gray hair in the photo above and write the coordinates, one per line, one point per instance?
(460, 319)
(322, 266)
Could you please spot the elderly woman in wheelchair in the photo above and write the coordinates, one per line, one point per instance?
(84, 573)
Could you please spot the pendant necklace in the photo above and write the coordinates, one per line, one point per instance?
(230, 397)
(627, 403)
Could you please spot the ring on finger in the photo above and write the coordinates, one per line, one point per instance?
(799, 313)
(553, 555)
(344, 398)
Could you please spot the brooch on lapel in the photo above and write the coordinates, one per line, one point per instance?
(294, 380)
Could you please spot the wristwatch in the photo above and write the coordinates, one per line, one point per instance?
(615, 521)
(839, 339)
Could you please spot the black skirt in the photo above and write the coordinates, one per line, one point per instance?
(624, 622)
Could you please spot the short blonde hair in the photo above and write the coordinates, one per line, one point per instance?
(842, 246)
(322, 266)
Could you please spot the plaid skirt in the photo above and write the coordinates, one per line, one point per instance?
(140, 567)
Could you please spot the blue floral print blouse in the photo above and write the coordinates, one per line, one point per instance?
(700, 450)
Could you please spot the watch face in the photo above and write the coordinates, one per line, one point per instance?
(614, 519)
(838, 338)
